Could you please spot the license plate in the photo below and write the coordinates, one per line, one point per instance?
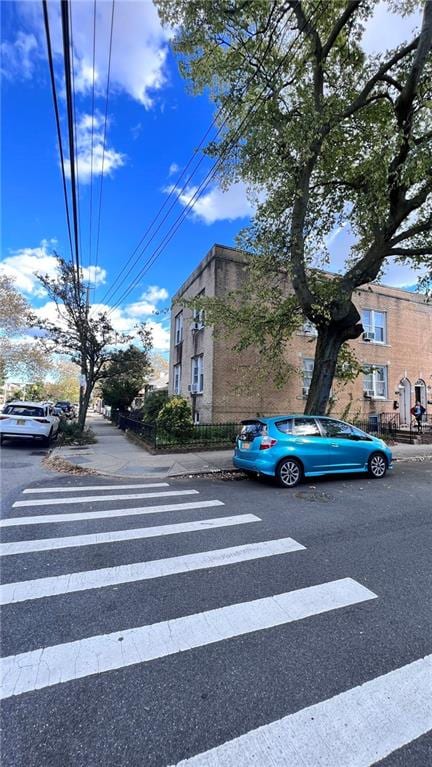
(20, 421)
(246, 445)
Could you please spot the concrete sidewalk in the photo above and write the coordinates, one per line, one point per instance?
(115, 455)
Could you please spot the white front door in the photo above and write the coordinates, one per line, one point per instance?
(405, 402)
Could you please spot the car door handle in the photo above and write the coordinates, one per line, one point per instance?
(334, 444)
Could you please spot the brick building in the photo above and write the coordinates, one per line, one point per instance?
(223, 385)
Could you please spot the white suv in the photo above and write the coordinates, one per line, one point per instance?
(28, 419)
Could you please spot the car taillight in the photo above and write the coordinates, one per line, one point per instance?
(267, 442)
(42, 420)
(4, 417)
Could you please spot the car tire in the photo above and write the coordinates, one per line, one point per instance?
(377, 465)
(289, 472)
(47, 440)
(1, 439)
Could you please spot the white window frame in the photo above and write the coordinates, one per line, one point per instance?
(177, 379)
(197, 373)
(373, 382)
(198, 315)
(178, 329)
(370, 327)
(307, 372)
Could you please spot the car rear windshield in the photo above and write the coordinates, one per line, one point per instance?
(252, 429)
(24, 410)
(286, 426)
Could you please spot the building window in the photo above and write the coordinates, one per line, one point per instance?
(197, 378)
(178, 328)
(375, 382)
(177, 379)
(308, 366)
(374, 324)
(198, 315)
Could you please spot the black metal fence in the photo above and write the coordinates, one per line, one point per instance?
(182, 437)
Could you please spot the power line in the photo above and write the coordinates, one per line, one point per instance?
(121, 275)
(68, 84)
(57, 119)
(210, 175)
(92, 135)
(75, 132)
(104, 144)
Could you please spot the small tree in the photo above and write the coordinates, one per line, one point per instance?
(18, 356)
(125, 374)
(88, 338)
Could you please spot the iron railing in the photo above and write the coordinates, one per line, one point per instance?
(193, 436)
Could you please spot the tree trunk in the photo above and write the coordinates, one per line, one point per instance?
(84, 403)
(329, 342)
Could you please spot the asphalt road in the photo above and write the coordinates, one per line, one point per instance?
(20, 464)
(177, 703)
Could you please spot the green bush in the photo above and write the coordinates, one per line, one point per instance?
(174, 421)
(153, 404)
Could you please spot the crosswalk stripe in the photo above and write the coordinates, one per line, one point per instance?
(356, 728)
(48, 544)
(75, 516)
(79, 488)
(140, 571)
(94, 498)
(74, 660)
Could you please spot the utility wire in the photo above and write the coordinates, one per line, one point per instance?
(57, 119)
(210, 175)
(74, 110)
(103, 147)
(92, 137)
(68, 84)
(175, 189)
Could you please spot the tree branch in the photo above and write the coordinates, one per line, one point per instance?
(427, 251)
(350, 9)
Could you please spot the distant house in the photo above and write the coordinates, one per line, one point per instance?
(222, 385)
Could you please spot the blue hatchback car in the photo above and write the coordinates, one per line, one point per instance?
(290, 447)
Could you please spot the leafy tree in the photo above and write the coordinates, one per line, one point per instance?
(64, 382)
(125, 374)
(19, 356)
(330, 136)
(153, 404)
(87, 337)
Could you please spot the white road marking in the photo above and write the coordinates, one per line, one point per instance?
(94, 498)
(75, 516)
(357, 728)
(74, 660)
(141, 571)
(78, 488)
(48, 544)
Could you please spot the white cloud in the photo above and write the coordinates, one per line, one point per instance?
(19, 58)
(155, 294)
(24, 264)
(217, 204)
(386, 30)
(107, 161)
(146, 305)
(173, 168)
(139, 46)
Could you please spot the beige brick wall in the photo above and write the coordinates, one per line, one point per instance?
(235, 385)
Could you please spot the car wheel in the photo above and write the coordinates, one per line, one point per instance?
(47, 440)
(377, 465)
(289, 472)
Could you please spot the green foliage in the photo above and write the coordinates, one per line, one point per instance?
(124, 376)
(175, 420)
(153, 404)
(331, 137)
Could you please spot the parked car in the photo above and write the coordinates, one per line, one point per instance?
(67, 408)
(28, 419)
(291, 447)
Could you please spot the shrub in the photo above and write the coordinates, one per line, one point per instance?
(175, 420)
(69, 434)
(153, 404)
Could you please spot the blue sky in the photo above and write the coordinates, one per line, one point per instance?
(154, 126)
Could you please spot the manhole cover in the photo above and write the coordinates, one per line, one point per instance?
(314, 497)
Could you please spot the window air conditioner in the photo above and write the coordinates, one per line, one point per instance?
(369, 393)
(368, 336)
(305, 391)
(195, 326)
(193, 388)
